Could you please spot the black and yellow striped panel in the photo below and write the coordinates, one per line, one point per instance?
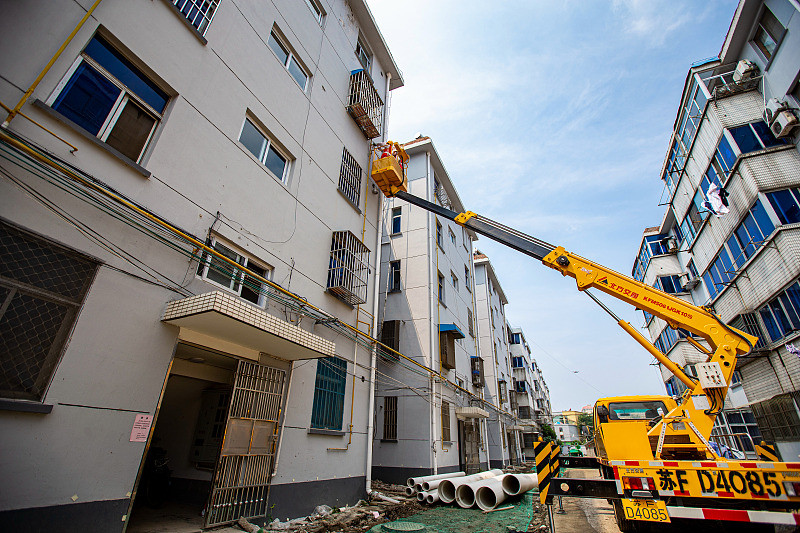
(768, 451)
(543, 452)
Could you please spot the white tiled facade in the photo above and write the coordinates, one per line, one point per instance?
(757, 289)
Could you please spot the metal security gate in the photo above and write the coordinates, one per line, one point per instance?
(241, 478)
(472, 463)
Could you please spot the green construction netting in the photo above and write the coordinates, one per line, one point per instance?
(453, 519)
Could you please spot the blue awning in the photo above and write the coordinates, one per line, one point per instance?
(451, 328)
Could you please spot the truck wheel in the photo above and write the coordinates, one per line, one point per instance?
(623, 523)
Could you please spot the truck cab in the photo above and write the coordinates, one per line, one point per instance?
(621, 424)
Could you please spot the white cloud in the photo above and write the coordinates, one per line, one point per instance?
(655, 21)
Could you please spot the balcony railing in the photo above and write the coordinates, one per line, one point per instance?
(719, 81)
(365, 105)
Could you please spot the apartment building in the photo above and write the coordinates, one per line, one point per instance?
(189, 251)
(530, 397)
(430, 414)
(729, 236)
(493, 344)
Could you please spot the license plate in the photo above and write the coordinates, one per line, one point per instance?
(649, 510)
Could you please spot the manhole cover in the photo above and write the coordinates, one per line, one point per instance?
(404, 526)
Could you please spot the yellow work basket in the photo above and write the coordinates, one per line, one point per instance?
(388, 175)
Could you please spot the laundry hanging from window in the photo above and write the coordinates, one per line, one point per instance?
(716, 200)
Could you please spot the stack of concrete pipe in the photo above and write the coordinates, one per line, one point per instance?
(486, 489)
(424, 487)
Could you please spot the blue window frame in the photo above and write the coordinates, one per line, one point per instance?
(329, 389)
(781, 315)
(668, 284)
(517, 362)
(754, 136)
(110, 98)
(786, 204)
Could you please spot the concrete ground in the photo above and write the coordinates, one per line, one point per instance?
(584, 514)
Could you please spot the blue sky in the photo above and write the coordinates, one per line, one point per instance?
(554, 118)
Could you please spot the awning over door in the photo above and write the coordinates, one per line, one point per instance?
(471, 412)
(228, 318)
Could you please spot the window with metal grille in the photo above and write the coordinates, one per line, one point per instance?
(502, 390)
(329, 388)
(225, 275)
(528, 440)
(394, 276)
(447, 350)
(390, 336)
(748, 322)
(524, 412)
(445, 420)
(777, 418)
(350, 177)
(476, 364)
(390, 418)
(348, 268)
(469, 322)
(199, 13)
(42, 287)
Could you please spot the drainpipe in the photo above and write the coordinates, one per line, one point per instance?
(376, 295)
(433, 302)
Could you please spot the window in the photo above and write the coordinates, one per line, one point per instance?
(739, 247)
(524, 412)
(397, 214)
(439, 240)
(502, 390)
(454, 280)
(264, 150)
(467, 284)
(768, 34)
(316, 10)
(329, 388)
(350, 175)
(107, 96)
(348, 268)
(781, 315)
(390, 418)
(447, 350)
(754, 136)
(517, 362)
(668, 284)
(528, 439)
(515, 338)
(469, 322)
(668, 337)
(441, 288)
(452, 236)
(199, 13)
(390, 336)
(221, 273)
(786, 204)
(748, 322)
(363, 54)
(42, 288)
(777, 418)
(445, 421)
(521, 386)
(287, 57)
(476, 366)
(394, 276)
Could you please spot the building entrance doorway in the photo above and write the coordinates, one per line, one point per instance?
(469, 447)
(212, 447)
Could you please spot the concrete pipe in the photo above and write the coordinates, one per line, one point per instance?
(491, 494)
(433, 497)
(447, 488)
(414, 480)
(516, 484)
(465, 494)
(428, 486)
(410, 491)
(421, 496)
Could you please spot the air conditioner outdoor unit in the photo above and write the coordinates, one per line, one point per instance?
(745, 70)
(783, 124)
(771, 110)
(688, 282)
(672, 245)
